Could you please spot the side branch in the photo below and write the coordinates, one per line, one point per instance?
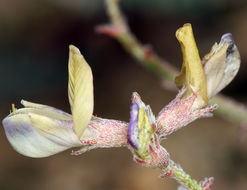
(118, 29)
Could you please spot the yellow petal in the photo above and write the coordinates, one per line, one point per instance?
(59, 131)
(192, 74)
(45, 110)
(145, 132)
(80, 90)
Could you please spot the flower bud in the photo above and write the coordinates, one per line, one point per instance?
(143, 138)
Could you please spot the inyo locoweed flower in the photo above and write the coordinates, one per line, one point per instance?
(199, 80)
(39, 130)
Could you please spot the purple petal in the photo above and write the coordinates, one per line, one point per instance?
(227, 35)
(133, 130)
(228, 39)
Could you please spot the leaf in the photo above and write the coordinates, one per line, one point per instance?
(80, 90)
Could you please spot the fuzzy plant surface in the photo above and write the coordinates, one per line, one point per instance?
(39, 130)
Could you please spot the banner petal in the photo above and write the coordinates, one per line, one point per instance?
(192, 73)
(80, 90)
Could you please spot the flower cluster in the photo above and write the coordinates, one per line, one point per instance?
(39, 130)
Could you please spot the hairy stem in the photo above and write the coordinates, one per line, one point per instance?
(175, 171)
(229, 108)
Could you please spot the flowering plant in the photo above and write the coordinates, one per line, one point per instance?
(39, 130)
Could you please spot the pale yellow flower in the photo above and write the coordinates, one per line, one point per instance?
(39, 130)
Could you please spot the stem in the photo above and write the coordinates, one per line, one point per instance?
(142, 54)
(175, 171)
(228, 109)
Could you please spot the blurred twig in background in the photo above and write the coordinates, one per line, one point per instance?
(118, 29)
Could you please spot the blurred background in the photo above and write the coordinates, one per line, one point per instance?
(34, 40)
